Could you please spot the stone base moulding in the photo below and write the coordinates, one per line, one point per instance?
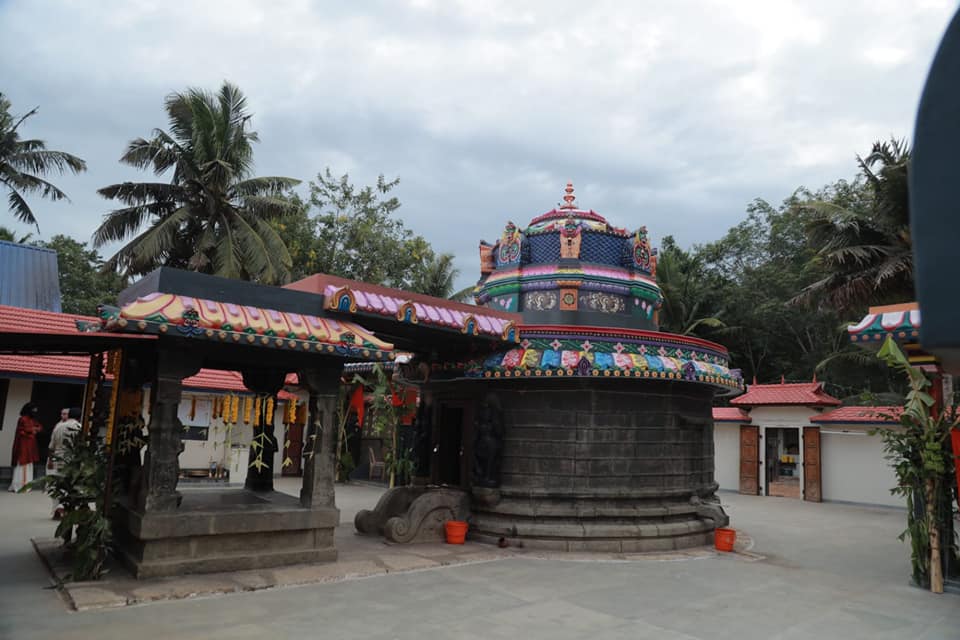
(230, 530)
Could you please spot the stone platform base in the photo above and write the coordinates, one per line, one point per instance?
(594, 524)
(225, 530)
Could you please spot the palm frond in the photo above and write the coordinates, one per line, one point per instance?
(43, 161)
(271, 185)
(21, 210)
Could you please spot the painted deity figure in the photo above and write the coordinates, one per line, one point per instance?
(570, 239)
(509, 246)
(641, 250)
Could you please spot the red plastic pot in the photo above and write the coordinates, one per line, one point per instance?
(724, 539)
(456, 531)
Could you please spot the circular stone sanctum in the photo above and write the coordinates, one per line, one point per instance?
(595, 433)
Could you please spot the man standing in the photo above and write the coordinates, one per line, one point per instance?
(63, 432)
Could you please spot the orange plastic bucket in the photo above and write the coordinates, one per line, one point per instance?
(456, 531)
(724, 539)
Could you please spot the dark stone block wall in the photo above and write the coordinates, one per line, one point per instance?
(611, 465)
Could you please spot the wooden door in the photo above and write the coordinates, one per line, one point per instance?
(293, 450)
(750, 460)
(811, 464)
(451, 445)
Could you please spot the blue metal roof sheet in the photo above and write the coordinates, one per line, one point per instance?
(29, 277)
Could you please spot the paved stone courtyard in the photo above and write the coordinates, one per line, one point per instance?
(828, 571)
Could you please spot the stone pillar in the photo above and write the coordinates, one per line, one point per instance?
(320, 462)
(260, 478)
(161, 462)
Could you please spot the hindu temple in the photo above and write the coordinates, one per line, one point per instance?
(594, 430)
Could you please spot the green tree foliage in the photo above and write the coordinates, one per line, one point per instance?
(747, 280)
(83, 283)
(80, 488)
(8, 235)
(863, 242)
(436, 276)
(353, 232)
(25, 163)
(213, 216)
(689, 297)
(756, 268)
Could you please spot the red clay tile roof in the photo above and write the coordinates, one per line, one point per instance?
(809, 394)
(858, 415)
(15, 320)
(45, 366)
(75, 368)
(216, 380)
(731, 414)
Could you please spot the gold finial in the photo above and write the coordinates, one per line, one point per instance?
(569, 198)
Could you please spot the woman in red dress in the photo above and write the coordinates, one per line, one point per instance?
(25, 450)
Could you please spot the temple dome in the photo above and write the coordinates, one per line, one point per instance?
(571, 266)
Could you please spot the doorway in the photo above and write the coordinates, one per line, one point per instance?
(293, 450)
(51, 397)
(448, 445)
(782, 462)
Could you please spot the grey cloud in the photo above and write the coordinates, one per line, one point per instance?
(674, 115)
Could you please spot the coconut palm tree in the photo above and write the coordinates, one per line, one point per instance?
(436, 276)
(687, 296)
(212, 216)
(866, 251)
(23, 162)
(7, 235)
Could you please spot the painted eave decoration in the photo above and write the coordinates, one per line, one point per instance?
(188, 317)
(901, 322)
(557, 352)
(476, 323)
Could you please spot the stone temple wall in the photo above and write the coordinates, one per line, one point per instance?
(608, 465)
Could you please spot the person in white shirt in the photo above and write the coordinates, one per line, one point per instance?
(62, 433)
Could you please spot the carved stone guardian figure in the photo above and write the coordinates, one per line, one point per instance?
(488, 444)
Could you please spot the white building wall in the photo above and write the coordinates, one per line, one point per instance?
(726, 456)
(230, 449)
(227, 447)
(782, 417)
(18, 395)
(853, 467)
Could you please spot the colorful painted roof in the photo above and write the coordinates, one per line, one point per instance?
(551, 351)
(189, 317)
(348, 296)
(901, 322)
(859, 415)
(809, 394)
(731, 414)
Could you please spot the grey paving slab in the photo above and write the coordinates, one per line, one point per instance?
(830, 571)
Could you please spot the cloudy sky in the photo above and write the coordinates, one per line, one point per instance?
(670, 114)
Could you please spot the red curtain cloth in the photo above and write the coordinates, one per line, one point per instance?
(356, 404)
(25, 449)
